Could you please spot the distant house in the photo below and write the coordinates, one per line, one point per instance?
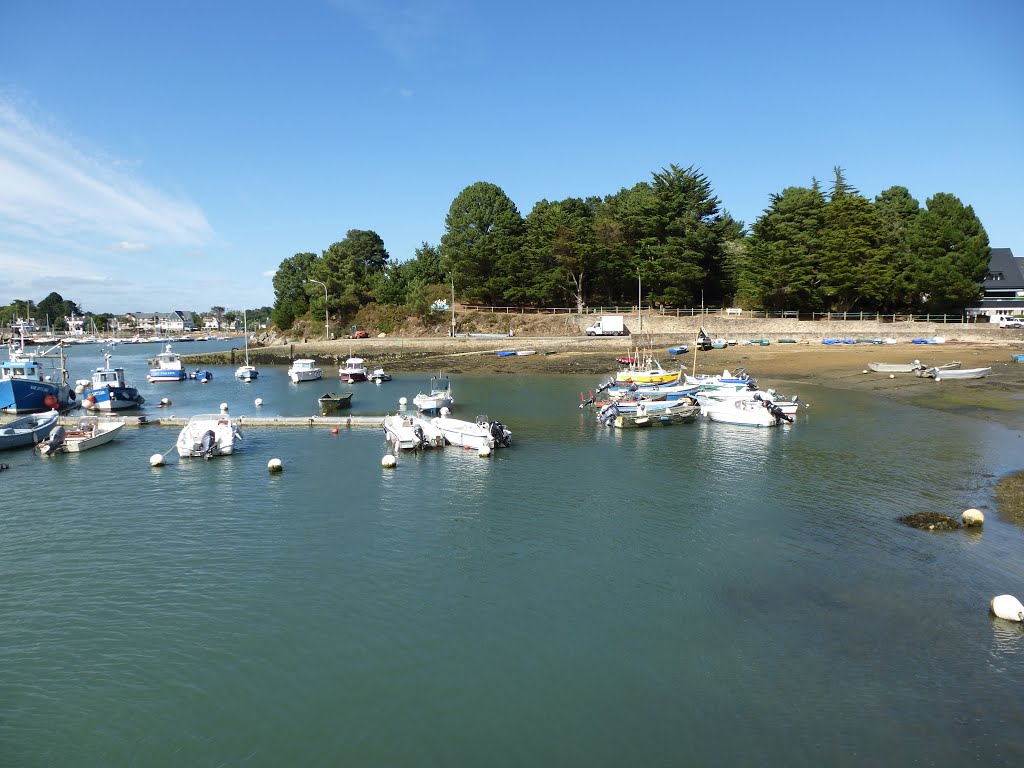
(177, 321)
(1003, 287)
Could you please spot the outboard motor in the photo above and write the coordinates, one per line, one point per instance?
(421, 439)
(207, 444)
(54, 443)
(497, 430)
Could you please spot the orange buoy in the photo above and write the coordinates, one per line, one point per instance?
(50, 401)
(334, 431)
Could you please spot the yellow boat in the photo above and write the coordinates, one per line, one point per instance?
(647, 372)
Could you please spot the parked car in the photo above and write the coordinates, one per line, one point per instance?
(358, 332)
(1011, 322)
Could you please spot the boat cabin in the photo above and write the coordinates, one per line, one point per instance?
(108, 377)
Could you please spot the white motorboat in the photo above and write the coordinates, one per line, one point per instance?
(208, 435)
(439, 396)
(378, 375)
(354, 369)
(473, 434)
(411, 433)
(745, 412)
(87, 432)
(304, 370)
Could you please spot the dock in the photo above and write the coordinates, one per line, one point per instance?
(375, 422)
(171, 420)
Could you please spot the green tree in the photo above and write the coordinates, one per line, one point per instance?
(897, 210)
(351, 270)
(482, 243)
(782, 263)
(291, 299)
(855, 261)
(560, 249)
(56, 308)
(952, 252)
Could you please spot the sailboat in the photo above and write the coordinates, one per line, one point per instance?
(246, 372)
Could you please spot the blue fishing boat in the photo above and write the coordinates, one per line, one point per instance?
(167, 367)
(29, 386)
(109, 390)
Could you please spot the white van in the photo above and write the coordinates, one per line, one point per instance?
(1006, 321)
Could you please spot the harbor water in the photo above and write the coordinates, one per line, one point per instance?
(700, 595)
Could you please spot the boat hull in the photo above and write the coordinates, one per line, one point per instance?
(76, 441)
(402, 433)
(27, 430)
(112, 398)
(28, 396)
(160, 375)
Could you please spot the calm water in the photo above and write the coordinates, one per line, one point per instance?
(700, 595)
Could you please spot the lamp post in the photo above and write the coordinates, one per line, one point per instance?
(327, 317)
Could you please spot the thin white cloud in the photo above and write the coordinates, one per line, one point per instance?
(127, 247)
(52, 186)
(270, 273)
(73, 220)
(403, 27)
(405, 92)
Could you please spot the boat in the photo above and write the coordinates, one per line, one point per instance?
(28, 430)
(29, 386)
(411, 433)
(746, 412)
(201, 375)
(108, 390)
(437, 397)
(208, 435)
(354, 369)
(680, 412)
(954, 373)
(378, 375)
(333, 402)
(771, 399)
(473, 434)
(1017, 358)
(246, 372)
(648, 371)
(894, 367)
(167, 367)
(87, 432)
(682, 349)
(304, 369)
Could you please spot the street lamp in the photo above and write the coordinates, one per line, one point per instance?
(327, 317)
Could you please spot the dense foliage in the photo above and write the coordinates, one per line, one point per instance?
(666, 241)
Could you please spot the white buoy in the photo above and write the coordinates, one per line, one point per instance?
(259, 401)
(485, 451)
(445, 411)
(1006, 607)
(972, 517)
(865, 370)
(892, 375)
(156, 460)
(165, 401)
(402, 402)
(224, 407)
(389, 461)
(275, 465)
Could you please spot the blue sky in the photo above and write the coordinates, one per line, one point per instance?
(158, 156)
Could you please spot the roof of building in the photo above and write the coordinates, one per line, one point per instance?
(1008, 267)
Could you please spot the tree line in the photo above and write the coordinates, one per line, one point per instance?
(810, 250)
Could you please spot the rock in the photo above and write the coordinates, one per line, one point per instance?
(931, 521)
